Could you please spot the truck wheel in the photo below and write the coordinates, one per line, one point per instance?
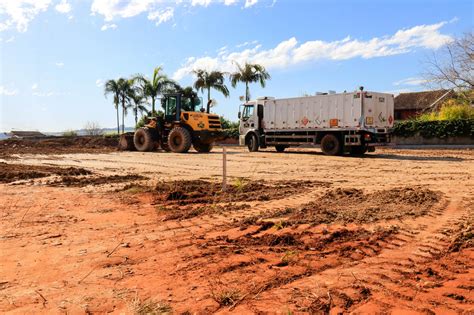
(253, 143)
(358, 151)
(202, 148)
(179, 140)
(330, 145)
(143, 140)
(280, 148)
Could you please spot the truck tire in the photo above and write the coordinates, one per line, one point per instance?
(331, 145)
(252, 143)
(280, 148)
(179, 140)
(143, 140)
(358, 150)
(126, 142)
(202, 147)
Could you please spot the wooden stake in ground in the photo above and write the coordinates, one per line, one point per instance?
(224, 169)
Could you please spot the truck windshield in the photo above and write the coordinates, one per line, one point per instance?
(247, 112)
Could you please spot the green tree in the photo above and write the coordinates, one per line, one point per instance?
(112, 87)
(249, 73)
(125, 91)
(138, 104)
(155, 87)
(207, 80)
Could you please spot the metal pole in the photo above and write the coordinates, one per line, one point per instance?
(224, 168)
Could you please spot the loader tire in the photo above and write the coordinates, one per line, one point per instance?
(143, 140)
(253, 143)
(179, 140)
(330, 145)
(280, 148)
(202, 147)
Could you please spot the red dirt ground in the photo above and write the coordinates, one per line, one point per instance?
(115, 247)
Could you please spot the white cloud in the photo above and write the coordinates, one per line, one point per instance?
(410, 81)
(19, 13)
(204, 3)
(60, 64)
(158, 10)
(34, 86)
(43, 94)
(161, 16)
(63, 7)
(249, 3)
(11, 39)
(7, 92)
(111, 9)
(290, 52)
(108, 27)
(99, 83)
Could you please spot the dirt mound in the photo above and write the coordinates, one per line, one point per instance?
(57, 145)
(184, 192)
(355, 206)
(71, 181)
(14, 172)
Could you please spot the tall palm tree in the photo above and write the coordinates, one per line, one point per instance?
(208, 80)
(154, 87)
(125, 90)
(112, 87)
(138, 104)
(249, 73)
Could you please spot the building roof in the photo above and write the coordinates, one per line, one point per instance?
(418, 100)
(26, 134)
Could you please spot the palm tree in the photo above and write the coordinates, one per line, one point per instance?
(125, 90)
(208, 80)
(138, 105)
(154, 87)
(249, 73)
(112, 87)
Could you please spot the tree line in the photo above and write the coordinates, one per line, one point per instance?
(137, 92)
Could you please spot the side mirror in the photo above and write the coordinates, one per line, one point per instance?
(239, 115)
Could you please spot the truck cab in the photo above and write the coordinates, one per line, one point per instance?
(252, 123)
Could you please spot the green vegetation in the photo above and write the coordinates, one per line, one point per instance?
(435, 129)
(231, 129)
(69, 133)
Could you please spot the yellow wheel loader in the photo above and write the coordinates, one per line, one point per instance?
(184, 124)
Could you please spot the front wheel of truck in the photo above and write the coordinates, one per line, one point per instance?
(252, 143)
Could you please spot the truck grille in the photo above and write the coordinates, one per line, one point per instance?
(214, 122)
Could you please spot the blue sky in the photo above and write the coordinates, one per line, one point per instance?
(56, 54)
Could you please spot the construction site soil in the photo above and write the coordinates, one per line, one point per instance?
(298, 232)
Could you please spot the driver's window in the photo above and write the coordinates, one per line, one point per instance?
(248, 112)
(171, 106)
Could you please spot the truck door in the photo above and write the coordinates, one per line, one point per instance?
(248, 119)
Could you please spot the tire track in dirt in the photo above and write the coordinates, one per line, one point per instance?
(383, 274)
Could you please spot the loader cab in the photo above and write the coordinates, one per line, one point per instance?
(175, 103)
